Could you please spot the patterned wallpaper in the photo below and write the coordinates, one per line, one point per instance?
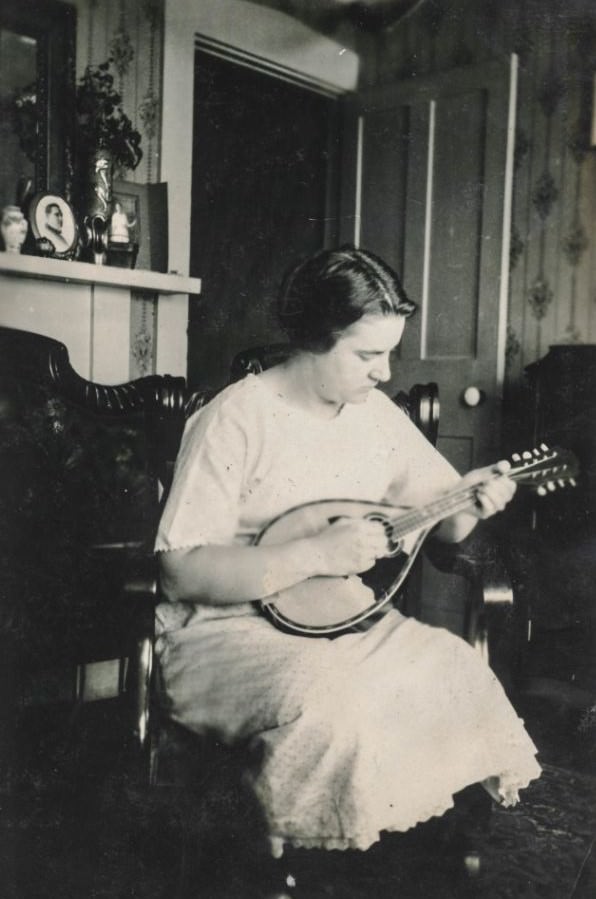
(553, 248)
(131, 33)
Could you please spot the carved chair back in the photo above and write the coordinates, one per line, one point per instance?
(76, 476)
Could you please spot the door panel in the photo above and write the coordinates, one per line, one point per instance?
(455, 227)
(431, 194)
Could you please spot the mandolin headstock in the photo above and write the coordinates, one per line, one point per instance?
(544, 469)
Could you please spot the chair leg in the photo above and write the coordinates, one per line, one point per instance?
(283, 888)
(469, 818)
(188, 869)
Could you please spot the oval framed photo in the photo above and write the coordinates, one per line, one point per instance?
(53, 225)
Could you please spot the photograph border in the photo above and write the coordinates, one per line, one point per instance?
(43, 243)
(138, 192)
(151, 227)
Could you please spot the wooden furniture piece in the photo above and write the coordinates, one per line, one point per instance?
(78, 512)
(562, 607)
(107, 453)
(80, 490)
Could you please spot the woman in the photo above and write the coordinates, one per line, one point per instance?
(369, 731)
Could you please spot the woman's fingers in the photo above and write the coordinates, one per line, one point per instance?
(492, 493)
(351, 545)
(372, 540)
(489, 503)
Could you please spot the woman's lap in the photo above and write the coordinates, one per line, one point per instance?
(367, 732)
(245, 676)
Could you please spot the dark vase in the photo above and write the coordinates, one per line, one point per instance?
(97, 204)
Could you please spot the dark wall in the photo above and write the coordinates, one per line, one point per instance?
(263, 160)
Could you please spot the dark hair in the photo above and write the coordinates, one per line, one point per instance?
(329, 291)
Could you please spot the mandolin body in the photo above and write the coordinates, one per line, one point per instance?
(330, 606)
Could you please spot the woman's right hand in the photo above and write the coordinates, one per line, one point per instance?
(349, 546)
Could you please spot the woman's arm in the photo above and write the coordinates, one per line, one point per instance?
(221, 575)
(492, 496)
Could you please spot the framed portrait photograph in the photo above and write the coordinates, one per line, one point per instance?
(140, 213)
(125, 223)
(53, 225)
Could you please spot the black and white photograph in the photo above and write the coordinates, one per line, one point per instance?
(125, 221)
(52, 220)
(298, 442)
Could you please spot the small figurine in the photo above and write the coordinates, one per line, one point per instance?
(13, 227)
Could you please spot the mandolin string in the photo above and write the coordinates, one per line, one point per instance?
(436, 510)
(450, 502)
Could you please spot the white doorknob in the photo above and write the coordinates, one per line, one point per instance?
(472, 396)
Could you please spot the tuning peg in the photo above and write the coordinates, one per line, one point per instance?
(561, 482)
(544, 447)
(536, 452)
(573, 482)
(551, 486)
(527, 454)
(541, 491)
(516, 457)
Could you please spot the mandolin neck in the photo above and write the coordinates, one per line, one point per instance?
(457, 500)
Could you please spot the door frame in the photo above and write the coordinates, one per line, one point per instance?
(278, 40)
(250, 32)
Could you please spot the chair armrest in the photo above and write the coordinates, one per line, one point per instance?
(489, 609)
(140, 588)
(490, 602)
(469, 558)
(138, 564)
(142, 585)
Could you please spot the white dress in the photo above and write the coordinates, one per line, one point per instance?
(366, 732)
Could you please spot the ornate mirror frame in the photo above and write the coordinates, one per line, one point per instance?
(52, 25)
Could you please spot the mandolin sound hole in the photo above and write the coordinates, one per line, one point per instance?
(393, 546)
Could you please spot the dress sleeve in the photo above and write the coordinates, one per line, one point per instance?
(421, 472)
(203, 504)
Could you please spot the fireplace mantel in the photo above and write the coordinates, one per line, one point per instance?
(117, 323)
(105, 275)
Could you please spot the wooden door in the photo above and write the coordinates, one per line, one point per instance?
(428, 187)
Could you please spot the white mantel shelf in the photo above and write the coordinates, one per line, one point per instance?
(106, 275)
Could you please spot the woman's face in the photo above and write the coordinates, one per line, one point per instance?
(359, 360)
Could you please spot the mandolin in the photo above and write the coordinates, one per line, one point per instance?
(330, 606)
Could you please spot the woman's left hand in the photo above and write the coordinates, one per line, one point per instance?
(493, 493)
